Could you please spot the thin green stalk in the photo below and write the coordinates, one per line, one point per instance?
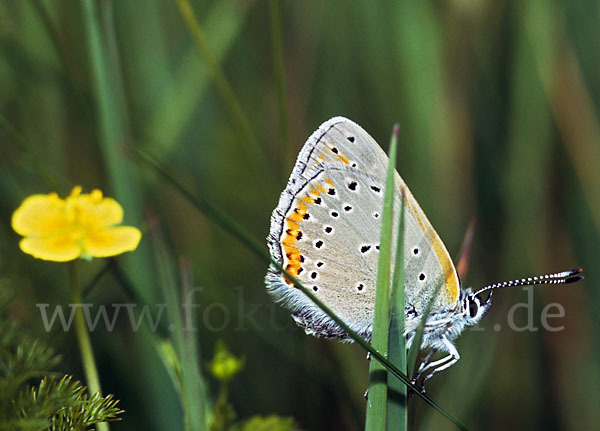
(230, 226)
(397, 413)
(83, 339)
(377, 399)
(194, 384)
(279, 74)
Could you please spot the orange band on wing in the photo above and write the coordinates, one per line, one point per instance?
(293, 256)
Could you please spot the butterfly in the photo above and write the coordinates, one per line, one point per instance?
(325, 231)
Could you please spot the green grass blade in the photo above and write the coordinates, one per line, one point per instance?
(191, 384)
(397, 413)
(377, 399)
(195, 387)
(113, 131)
(225, 222)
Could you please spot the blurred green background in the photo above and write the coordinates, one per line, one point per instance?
(497, 103)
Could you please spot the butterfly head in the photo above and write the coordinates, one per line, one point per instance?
(474, 306)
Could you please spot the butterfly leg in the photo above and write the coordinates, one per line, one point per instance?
(424, 362)
(436, 366)
(442, 364)
(422, 365)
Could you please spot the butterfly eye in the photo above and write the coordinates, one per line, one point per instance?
(473, 309)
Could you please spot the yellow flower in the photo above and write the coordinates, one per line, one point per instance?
(82, 225)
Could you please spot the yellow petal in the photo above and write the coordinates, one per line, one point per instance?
(94, 212)
(40, 215)
(111, 242)
(109, 211)
(58, 248)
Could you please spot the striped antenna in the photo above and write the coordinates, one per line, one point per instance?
(563, 277)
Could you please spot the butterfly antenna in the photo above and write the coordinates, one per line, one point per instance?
(563, 277)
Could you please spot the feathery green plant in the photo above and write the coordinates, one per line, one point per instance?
(56, 403)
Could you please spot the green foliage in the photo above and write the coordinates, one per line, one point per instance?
(57, 403)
